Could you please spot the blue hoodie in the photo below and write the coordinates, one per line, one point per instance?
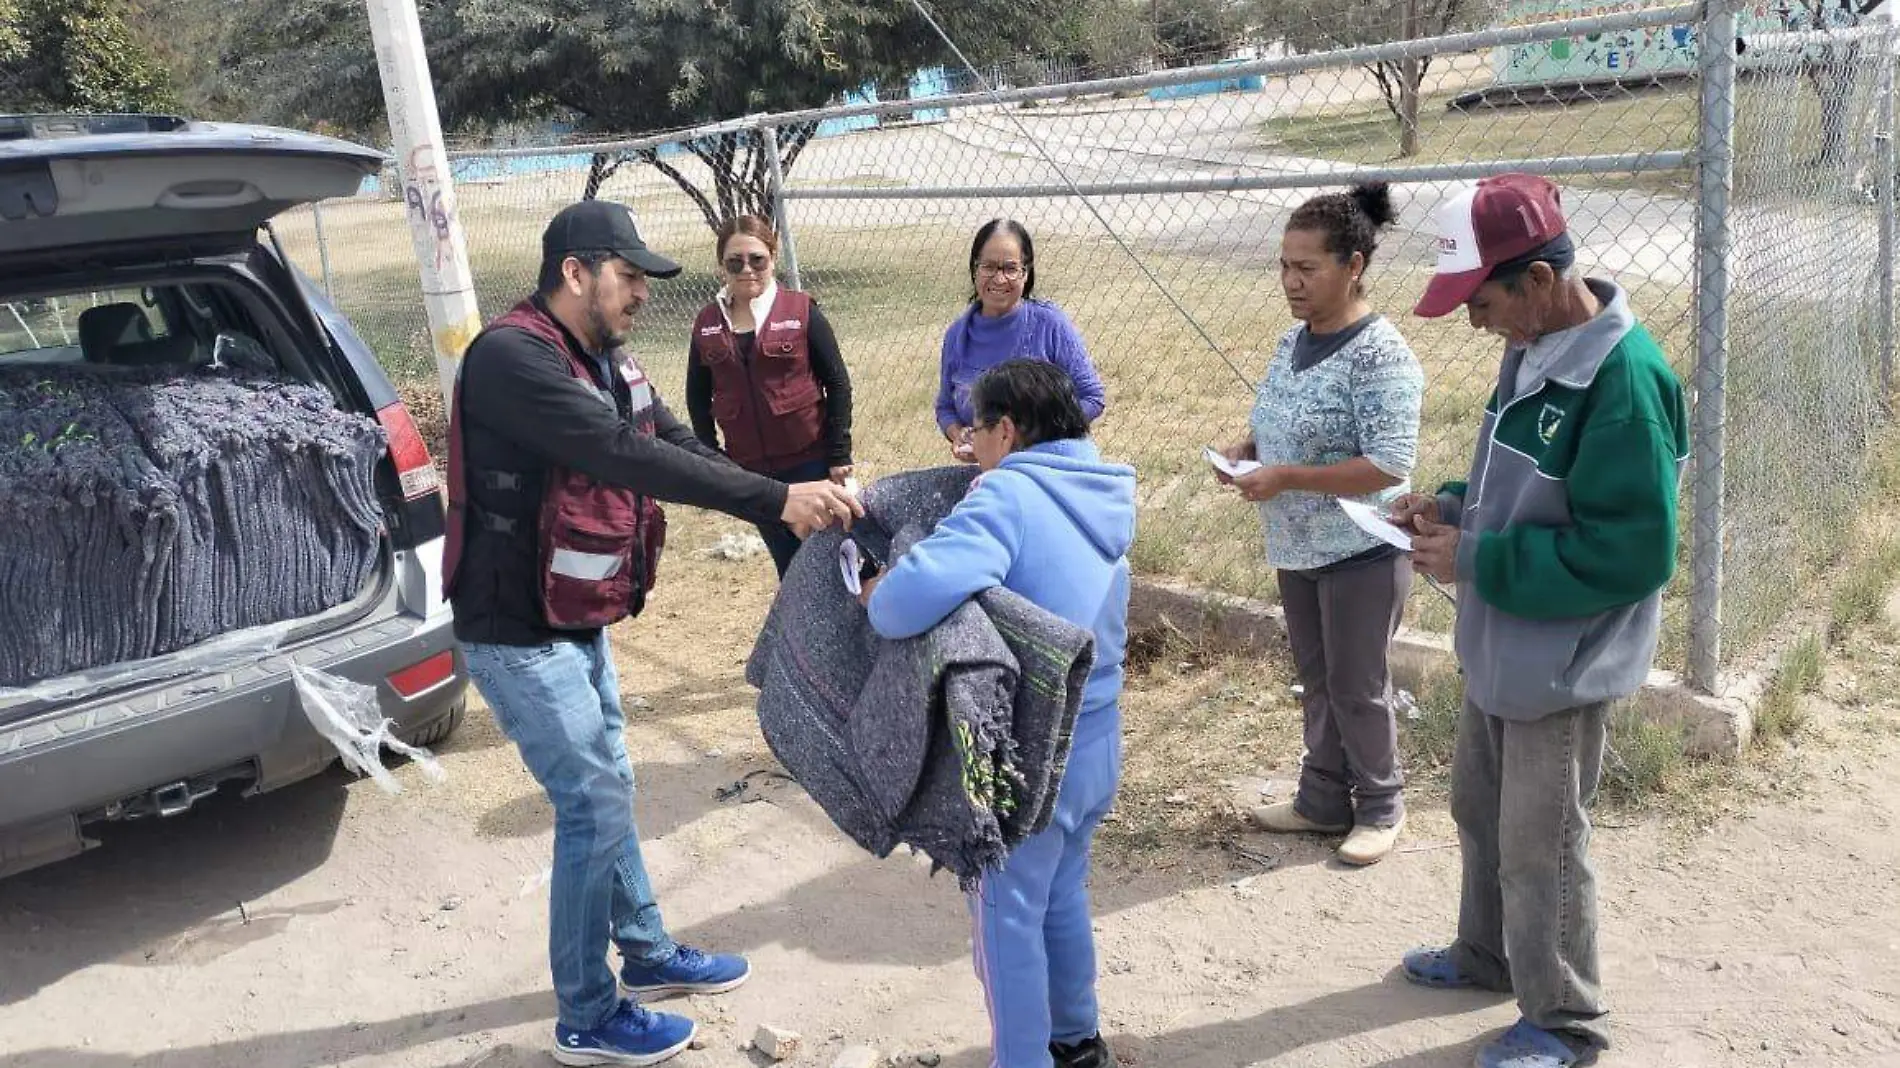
(1053, 523)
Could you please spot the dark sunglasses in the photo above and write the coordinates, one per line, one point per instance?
(758, 261)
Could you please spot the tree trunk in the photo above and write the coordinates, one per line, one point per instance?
(1411, 76)
(601, 169)
(740, 181)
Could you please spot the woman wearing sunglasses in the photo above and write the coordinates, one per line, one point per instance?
(1005, 321)
(764, 374)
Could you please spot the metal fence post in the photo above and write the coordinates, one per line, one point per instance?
(1715, 180)
(1883, 164)
(787, 247)
(323, 250)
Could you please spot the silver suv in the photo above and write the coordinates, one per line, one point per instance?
(145, 240)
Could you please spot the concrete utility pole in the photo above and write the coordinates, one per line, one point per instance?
(428, 194)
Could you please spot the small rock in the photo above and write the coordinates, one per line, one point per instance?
(1840, 1030)
(638, 703)
(775, 1042)
(1405, 703)
(858, 1057)
(1177, 799)
(929, 1060)
(715, 754)
(737, 547)
(697, 1043)
(1298, 691)
(451, 903)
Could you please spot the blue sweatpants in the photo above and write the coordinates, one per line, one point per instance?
(1034, 947)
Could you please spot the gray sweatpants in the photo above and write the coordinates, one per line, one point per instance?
(1527, 921)
(1340, 626)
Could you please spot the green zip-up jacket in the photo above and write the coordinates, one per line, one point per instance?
(1568, 521)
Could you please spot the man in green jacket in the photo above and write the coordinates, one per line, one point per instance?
(1560, 544)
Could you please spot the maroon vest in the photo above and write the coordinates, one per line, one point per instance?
(771, 412)
(598, 545)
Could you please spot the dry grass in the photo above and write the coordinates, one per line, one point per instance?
(890, 290)
(1203, 731)
(1615, 120)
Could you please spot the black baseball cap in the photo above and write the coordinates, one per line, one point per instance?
(602, 226)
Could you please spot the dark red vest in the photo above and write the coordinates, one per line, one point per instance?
(598, 545)
(771, 412)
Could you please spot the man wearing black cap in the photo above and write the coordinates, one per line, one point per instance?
(558, 449)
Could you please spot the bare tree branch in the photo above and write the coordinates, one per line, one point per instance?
(1388, 87)
(651, 157)
(802, 135)
(601, 169)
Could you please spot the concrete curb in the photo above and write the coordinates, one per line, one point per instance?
(1714, 727)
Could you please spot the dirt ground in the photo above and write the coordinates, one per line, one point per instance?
(329, 924)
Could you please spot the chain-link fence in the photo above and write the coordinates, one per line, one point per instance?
(1157, 202)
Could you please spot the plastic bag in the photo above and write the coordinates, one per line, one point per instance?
(351, 718)
(232, 650)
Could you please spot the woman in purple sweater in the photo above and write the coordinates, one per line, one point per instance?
(1005, 322)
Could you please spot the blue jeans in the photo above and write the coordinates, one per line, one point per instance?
(1033, 941)
(560, 704)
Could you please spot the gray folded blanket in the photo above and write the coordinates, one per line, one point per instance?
(151, 509)
(952, 742)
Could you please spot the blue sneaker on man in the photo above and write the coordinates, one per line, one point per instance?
(632, 1035)
(688, 972)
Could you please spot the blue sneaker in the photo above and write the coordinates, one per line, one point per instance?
(632, 1035)
(689, 972)
(1526, 1045)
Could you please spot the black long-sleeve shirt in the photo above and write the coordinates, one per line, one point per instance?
(523, 413)
(827, 365)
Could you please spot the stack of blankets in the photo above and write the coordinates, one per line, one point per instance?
(150, 509)
(952, 742)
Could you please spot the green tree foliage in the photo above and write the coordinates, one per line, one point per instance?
(1190, 32)
(1113, 37)
(620, 66)
(76, 55)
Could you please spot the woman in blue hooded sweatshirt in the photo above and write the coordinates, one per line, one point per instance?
(1051, 521)
(1007, 321)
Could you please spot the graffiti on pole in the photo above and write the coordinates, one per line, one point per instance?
(428, 202)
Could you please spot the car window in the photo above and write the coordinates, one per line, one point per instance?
(53, 328)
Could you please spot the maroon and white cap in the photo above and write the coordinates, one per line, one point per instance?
(1493, 222)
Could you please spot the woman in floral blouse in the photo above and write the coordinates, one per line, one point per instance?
(1337, 416)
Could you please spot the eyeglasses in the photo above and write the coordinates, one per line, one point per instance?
(758, 261)
(1009, 272)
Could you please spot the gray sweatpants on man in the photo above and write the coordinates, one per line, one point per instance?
(1527, 921)
(1339, 624)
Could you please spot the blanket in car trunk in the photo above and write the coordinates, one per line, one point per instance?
(151, 509)
(952, 742)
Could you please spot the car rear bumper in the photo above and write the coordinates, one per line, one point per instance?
(88, 760)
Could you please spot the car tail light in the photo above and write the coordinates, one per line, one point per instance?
(417, 679)
(414, 468)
